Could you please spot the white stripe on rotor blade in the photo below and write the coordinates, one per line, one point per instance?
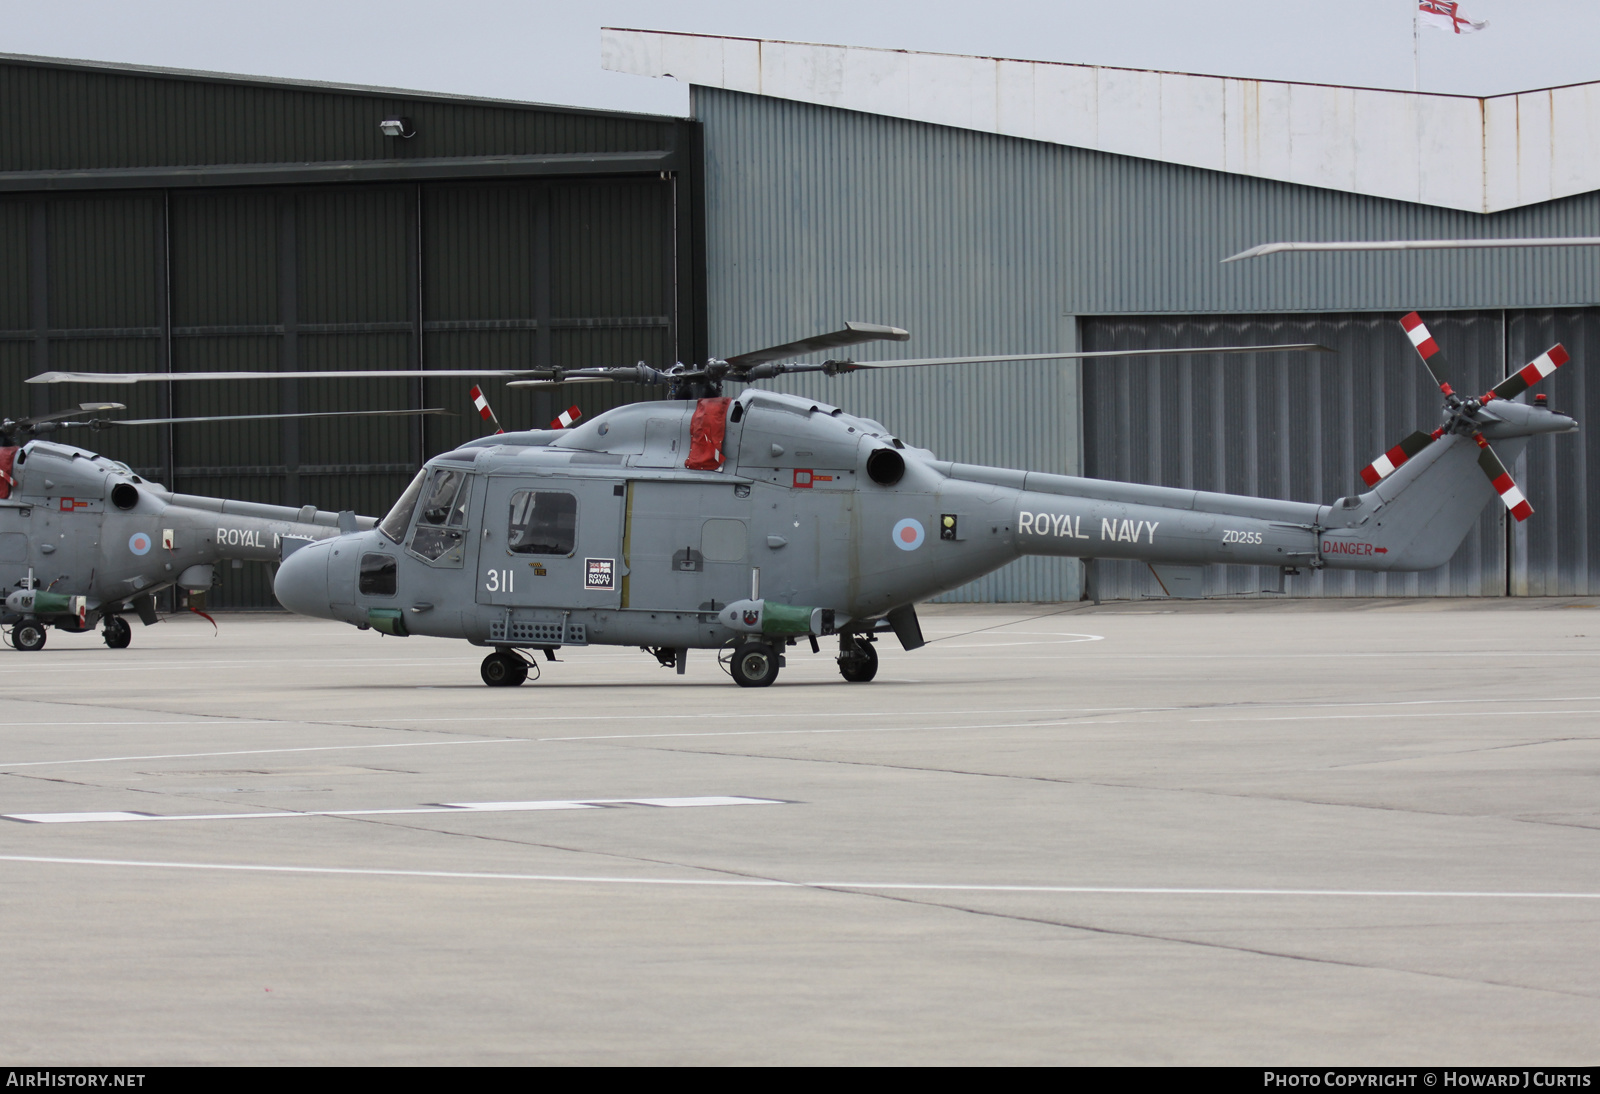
(1512, 497)
(457, 807)
(1418, 334)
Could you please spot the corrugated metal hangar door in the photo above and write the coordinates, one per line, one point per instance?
(1302, 426)
(464, 275)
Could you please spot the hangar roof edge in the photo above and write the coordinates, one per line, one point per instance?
(1481, 154)
(247, 80)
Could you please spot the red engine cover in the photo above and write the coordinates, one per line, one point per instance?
(705, 434)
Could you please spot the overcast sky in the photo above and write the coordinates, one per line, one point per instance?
(550, 52)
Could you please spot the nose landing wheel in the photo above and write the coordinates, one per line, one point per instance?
(754, 665)
(503, 669)
(28, 635)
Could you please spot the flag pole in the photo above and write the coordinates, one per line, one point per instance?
(1416, 47)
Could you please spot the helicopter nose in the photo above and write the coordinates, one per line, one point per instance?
(302, 582)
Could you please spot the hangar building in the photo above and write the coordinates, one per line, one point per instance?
(994, 206)
(156, 221)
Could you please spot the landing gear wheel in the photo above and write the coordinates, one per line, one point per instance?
(503, 669)
(117, 633)
(860, 664)
(755, 665)
(28, 635)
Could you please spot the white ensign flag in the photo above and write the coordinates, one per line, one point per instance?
(1446, 15)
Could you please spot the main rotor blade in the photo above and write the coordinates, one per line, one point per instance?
(1501, 480)
(106, 423)
(852, 334)
(334, 374)
(1416, 245)
(1298, 347)
(92, 408)
(1530, 373)
(629, 378)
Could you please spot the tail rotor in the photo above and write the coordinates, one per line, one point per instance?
(481, 403)
(1465, 416)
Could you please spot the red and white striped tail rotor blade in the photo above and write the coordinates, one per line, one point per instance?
(1388, 463)
(565, 419)
(1530, 373)
(484, 412)
(1427, 349)
(1501, 480)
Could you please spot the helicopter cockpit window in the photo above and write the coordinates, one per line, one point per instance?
(399, 519)
(442, 514)
(543, 522)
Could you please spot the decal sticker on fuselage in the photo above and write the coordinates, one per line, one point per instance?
(139, 543)
(1351, 547)
(243, 537)
(1048, 524)
(1064, 526)
(600, 574)
(908, 534)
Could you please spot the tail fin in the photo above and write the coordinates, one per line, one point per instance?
(1417, 517)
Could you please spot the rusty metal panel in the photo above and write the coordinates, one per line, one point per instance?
(1477, 154)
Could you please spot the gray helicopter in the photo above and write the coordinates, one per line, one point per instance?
(83, 539)
(746, 524)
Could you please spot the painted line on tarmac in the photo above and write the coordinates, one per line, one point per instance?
(1417, 714)
(773, 883)
(212, 724)
(1091, 720)
(741, 715)
(116, 816)
(854, 730)
(704, 716)
(258, 751)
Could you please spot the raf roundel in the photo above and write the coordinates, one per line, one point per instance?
(139, 543)
(908, 534)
